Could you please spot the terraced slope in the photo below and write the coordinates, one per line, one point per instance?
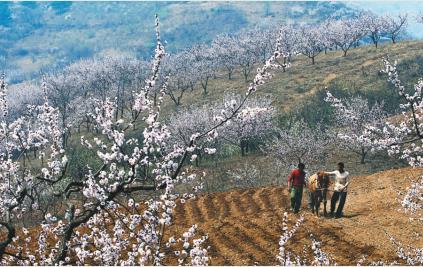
(244, 226)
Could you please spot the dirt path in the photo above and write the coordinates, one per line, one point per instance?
(244, 226)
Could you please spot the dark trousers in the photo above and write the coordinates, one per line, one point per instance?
(342, 196)
(310, 201)
(296, 197)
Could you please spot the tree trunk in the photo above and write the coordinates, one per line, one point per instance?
(117, 109)
(64, 137)
(122, 108)
(204, 85)
(363, 156)
(246, 72)
(345, 53)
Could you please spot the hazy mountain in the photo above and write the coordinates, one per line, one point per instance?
(40, 35)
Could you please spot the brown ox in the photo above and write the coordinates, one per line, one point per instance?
(318, 185)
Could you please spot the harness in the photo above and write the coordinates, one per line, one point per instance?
(318, 183)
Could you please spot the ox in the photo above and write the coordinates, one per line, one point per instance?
(318, 185)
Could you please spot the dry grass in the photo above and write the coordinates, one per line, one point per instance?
(358, 70)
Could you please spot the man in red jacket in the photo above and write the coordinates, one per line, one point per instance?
(296, 182)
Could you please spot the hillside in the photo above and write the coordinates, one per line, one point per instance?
(128, 157)
(244, 226)
(301, 89)
(358, 72)
(46, 35)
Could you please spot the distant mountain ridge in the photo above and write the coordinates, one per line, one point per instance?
(38, 36)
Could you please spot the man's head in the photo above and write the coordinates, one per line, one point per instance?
(341, 166)
(301, 166)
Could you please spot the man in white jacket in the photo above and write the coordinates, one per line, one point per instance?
(340, 189)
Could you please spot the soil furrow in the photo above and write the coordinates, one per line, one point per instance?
(265, 234)
(232, 249)
(264, 196)
(233, 206)
(258, 200)
(252, 207)
(199, 210)
(223, 205)
(238, 206)
(246, 244)
(181, 213)
(215, 251)
(253, 238)
(278, 197)
(193, 211)
(208, 207)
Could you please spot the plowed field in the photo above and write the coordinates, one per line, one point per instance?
(244, 226)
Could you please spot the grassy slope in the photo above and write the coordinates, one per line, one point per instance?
(358, 72)
(331, 70)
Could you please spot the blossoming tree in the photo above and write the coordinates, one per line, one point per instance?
(253, 123)
(117, 212)
(353, 116)
(311, 42)
(395, 26)
(374, 25)
(345, 33)
(299, 143)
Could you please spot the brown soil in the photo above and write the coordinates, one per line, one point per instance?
(244, 226)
